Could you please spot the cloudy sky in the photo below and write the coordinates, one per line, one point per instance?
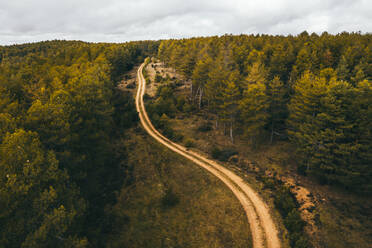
(124, 20)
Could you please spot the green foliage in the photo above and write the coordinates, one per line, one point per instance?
(158, 78)
(224, 154)
(180, 103)
(170, 199)
(229, 102)
(205, 127)
(324, 119)
(189, 143)
(314, 90)
(7, 125)
(125, 114)
(277, 108)
(200, 77)
(38, 206)
(287, 207)
(253, 107)
(287, 86)
(60, 122)
(343, 71)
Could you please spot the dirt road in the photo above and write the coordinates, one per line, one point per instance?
(263, 229)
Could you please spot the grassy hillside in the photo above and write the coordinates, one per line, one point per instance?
(170, 202)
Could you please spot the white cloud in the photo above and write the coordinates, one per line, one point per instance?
(123, 20)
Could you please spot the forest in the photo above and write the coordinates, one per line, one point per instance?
(62, 127)
(63, 122)
(313, 90)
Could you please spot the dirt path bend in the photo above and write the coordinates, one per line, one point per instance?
(263, 229)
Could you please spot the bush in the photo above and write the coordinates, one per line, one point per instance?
(188, 108)
(180, 103)
(284, 201)
(165, 92)
(177, 137)
(146, 97)
(224, 154)
(189, 143)
(164, 106)
(170, 199)
(205, 127)
(131, 86)
(293, 222)
(164, 122)
(158, 78)
(127, 76)
(215, 152)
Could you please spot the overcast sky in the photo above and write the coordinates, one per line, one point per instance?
(125, 20)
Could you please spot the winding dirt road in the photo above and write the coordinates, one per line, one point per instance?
(263, 229)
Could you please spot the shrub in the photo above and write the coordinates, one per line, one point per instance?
(293, 221)
(165, 92)
(164, 106)
(205, 127)
(158, 78)
(180, 103)
(131, 86)
(284, 201)
(189, 143)
(177, 137)
(164, 122)
(146, 97)
(287, 207)
(224, 154)
(170, 199)
(215, 152)
(188, 108)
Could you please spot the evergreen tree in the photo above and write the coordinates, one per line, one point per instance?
(253, 107)
(200, 77)
(214, 87)
(38, 206)
(229, 105)
(343, 72)
(303, 109)
(277, 106)
(257, 74)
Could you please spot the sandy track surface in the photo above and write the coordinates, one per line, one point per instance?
(263, 229)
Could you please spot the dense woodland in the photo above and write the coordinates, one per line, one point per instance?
(62, 125)
(63, 122)
(313, 90)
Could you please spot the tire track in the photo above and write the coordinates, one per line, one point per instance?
(263, 230)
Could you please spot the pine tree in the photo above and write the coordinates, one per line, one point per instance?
(304, 106)
(257, 74)
(277, 110)
(200, 77)
(359, 73)
(329, 134)
(39, 203)
(7, 125)
(253, 107)
(343, 73)
(213, 88)
(362, 108)
(229, 105)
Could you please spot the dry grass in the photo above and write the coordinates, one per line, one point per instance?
(207, 213)
(342, 218)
